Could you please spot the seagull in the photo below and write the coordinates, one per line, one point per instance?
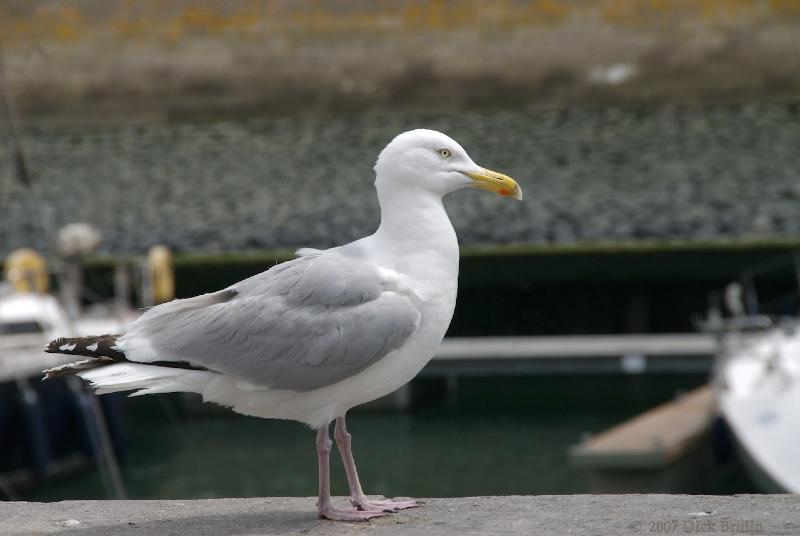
(312, 337)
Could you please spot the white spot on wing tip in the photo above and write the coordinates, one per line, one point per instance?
(93, 347)
(67, 347)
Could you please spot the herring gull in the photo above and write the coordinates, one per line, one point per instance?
(315, 336)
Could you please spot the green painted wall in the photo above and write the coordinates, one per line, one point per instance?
(555, 290)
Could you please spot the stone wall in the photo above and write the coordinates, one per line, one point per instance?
(93, 59)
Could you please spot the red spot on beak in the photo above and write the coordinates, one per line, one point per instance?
(505, 192)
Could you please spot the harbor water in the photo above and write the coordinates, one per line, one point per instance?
(496, 436)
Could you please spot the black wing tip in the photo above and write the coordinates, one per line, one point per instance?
(106, 346)
(76, 366)
(49, 375)
(52, 347)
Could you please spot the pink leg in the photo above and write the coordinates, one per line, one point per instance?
(357, 496)
(324, 506)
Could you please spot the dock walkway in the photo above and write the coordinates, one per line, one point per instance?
(655, 438)
(574, 354)
(663, 449)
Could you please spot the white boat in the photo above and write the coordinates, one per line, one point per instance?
(757, 384)
(29, 320)
(758, 389)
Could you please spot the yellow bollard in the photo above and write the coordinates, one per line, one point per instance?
(162, 274)
(26, 270)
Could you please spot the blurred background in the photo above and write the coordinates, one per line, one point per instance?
(627, 327)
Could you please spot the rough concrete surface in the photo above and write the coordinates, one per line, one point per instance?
(547, 514)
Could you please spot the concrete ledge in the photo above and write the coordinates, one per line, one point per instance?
(554, 514)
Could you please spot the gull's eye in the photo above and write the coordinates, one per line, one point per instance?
(445, 153)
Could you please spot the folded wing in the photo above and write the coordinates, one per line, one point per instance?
(301, 325)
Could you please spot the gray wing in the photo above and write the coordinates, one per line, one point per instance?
(301, 325)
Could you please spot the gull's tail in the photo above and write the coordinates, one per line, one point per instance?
(101, 350)
(109, 370)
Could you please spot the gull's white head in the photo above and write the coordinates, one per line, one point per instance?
(435, 163)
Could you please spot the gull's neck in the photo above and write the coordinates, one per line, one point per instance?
(417, 240)
(415, 222)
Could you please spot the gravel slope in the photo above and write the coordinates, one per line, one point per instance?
(588, 175)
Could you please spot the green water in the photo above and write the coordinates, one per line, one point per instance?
(500, 436)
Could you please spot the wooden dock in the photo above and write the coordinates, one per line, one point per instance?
(662, 449)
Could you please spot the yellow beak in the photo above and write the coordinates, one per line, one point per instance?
(493, 181)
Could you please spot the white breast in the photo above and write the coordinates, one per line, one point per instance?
(434, 281)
